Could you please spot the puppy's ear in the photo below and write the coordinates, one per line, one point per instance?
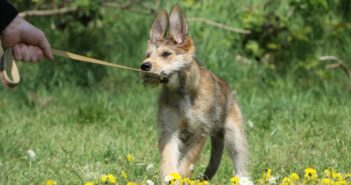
(178, 26)
(159, 27)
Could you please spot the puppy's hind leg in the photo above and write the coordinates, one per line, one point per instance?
(236, 141)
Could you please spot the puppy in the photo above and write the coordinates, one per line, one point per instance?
(194, 103)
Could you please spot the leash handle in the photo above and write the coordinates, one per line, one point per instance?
(8, 65)
(9, 74)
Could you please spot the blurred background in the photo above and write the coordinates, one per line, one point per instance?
(288, 61)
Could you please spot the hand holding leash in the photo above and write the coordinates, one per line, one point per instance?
(10, 76)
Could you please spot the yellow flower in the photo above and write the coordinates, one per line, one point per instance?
(287, 181)
(338, 176)
(201, 182)
(50, 182)
(124, 174)
(89, 183)
(267, 174)
(294, 177)
(109, 178)
(176, 176)
(310, 174)
(130, 158)
(188, 181)
(328, 173)
(132, 183)
(326, 181)
(234, 180)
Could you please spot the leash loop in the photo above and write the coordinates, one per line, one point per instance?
(8, 70)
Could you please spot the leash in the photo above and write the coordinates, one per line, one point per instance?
(10, 76)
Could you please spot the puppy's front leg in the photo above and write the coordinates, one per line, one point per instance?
(169, 150)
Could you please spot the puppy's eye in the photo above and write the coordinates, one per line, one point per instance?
(165, 54)
(147, 55)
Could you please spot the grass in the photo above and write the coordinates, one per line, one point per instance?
(79, 134)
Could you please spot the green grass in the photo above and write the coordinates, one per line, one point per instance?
(79, 134)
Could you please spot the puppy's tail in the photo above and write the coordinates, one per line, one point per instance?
(217, 145)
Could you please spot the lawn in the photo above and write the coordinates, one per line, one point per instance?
(80, 134)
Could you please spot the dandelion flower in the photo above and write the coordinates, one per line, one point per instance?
(326, 181)
(51, 182)
(294, 177)
(310, 174)
(132, 183)
(130, 158)
(109, 178)
(234, 180)
(89, 183)
(124, 174)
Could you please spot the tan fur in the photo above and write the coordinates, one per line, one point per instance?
(194, 103)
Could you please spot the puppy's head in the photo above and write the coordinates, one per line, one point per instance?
(167, 55)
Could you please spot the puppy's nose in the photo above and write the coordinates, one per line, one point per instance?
(146, 66)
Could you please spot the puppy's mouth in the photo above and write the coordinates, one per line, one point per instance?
(152, 79)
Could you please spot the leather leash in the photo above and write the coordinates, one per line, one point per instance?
(8, 65)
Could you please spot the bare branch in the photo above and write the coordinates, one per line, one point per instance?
(31, 13)
(339, 64)
(218, 25)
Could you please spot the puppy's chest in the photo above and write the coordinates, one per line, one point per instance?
(192, 116)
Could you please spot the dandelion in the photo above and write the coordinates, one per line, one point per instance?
(310, 174)
(234, 180)
(124, 174)
(173, 178)
(132, 183)
(326, 181)
(267, 177)
(89, 183)
(188, 181)
(286, 181)
(51, 182)
(201, 182)
(294, 177)
(109, 178)
(130, 158)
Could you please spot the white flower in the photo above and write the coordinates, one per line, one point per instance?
(31, 155)
(168, 178)
(245, 181)
(272, 180)
(191, 167)
(149, 167)
(149, 182)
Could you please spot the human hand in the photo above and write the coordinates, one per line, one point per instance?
(28, 42)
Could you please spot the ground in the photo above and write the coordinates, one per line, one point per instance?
(80, 134)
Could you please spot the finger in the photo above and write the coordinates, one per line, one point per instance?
(45, 46)
(39, 53)
(33, 54)
(25, 53)
(17, 54)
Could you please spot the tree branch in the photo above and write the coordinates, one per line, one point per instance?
(339, 64)
(31, 13)
(218, 25)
